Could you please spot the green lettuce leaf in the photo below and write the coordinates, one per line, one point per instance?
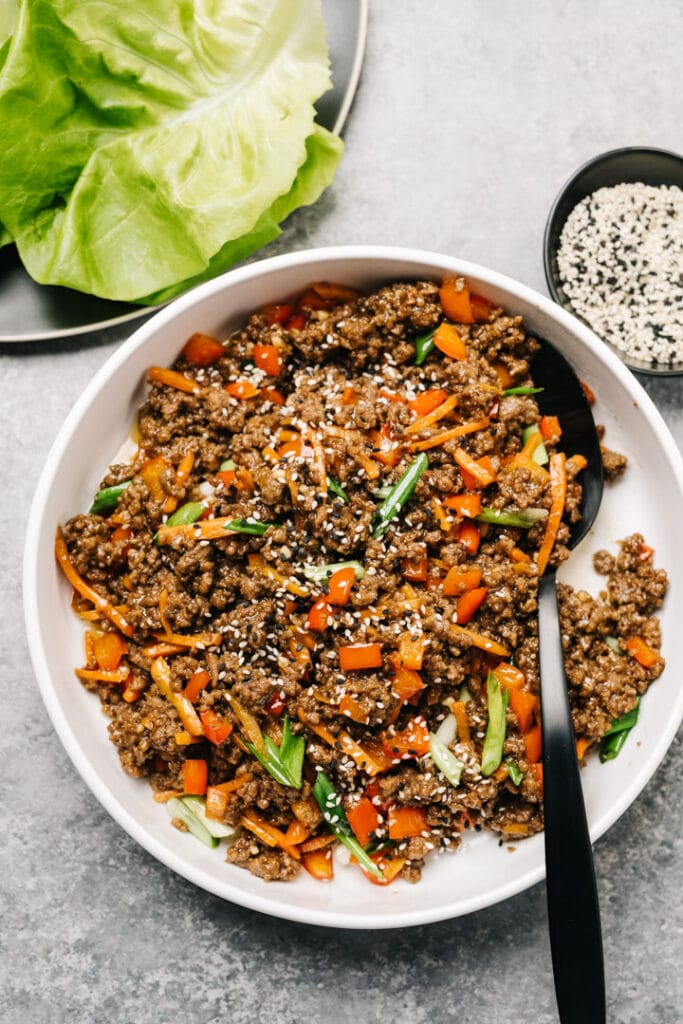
(8, 16)
(150, 146)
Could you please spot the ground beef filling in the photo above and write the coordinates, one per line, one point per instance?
(340, 409)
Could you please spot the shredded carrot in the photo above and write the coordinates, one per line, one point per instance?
(484, 643)
(434, 416)
(248, 723)
(172, 379)
(480, 473)
(519, 556)
(234, 784)
(105, 607)
(182, 474)
(558, 491)
(446, 522)
(550, 428)
(532, 443)
(204, 529)
(317, 843)
(162, 650)
(288, 582)
(371, 470)
(460, 712)
(101, 675)
(267, 833)
(577, 463)
(163, 603)
(448, 435)
(183, 739)
(365, 761)
(161, 674)
(642, 652)
(199, 640)
(582, 745)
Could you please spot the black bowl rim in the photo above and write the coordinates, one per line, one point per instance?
(636, 365)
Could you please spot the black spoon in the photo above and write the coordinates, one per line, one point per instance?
(573, 911)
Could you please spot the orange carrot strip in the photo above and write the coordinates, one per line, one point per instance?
(102, 675)
(577, 463)
(469, 603)
(480, 473)
(460, 712)
(483, 643)
(424, 403)
(532, 443)
(162, 650)
(447, 435)
(550, 428)
(199, 640)
(105, 607)
(533, 744)
(460, 579)
(582, 745)
(234, 784)
(195, 773)
(171, 379)
(558, 491)
(161, 674)
(267, 833)
(364, 760)
(434, 416)
(288, 582)
(182, 474)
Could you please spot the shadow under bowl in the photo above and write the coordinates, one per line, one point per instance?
(617, 167)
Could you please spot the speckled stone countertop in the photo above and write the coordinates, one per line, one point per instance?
(469, 118)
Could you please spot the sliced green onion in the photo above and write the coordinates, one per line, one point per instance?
(226, 466)
(424, 345)
(614, 644)
(464, 696)
(495, 730)
(382, 492)
(448, 730)
(177, 809)
(446, 761)
(336, 488)
(515, 773)
(107, 498)
(186, 514)
(251, 529)
(540, 454)
(285, 762)
(218, 829)
(522, 517)
(399, 494)
(521, 391)
(617, 734)
(322, 573)
(333, 812)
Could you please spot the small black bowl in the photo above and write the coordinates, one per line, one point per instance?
(649, 166)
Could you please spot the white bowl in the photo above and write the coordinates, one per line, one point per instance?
(649, 498)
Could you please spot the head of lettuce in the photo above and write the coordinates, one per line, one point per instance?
(148, 146)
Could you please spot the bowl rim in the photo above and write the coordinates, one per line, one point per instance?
(549, 251)
(434, 264)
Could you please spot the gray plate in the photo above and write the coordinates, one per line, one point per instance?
(35, 312)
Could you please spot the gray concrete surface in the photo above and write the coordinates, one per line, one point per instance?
(469, 118)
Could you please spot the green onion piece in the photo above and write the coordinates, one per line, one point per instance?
(523, 517)
(515, 773)
(495, 729)
(424, 345)
(218, 829)
(464, 696)
(382, 492)
(448, 730)
(177, 809)
(617, 734)
(322, 573)
(285, 762)
(107, 498)
(521, 391)
(226, 466)
(251, 529)
(612, 642)
(333, 812)
(540, 455)
(337, 489)
(446, 761)
(399, 494)
(186, 514)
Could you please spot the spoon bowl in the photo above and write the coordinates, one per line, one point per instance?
(573, 911)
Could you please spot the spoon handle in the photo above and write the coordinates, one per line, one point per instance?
(573, 911)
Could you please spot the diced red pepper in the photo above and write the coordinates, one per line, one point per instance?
(533, 744)
(588, 392)
(523, 703)
(406, 822)
(428, 401)
(195, 774)
(642, 652)
(272, 395)
(319, 615)
(455, 301)
(354, 657)
(109, 648)
(389, 865)
(466, 505)
(216, 729)
(268, 359)
(460, 579)
(469, 535)
(319, 864)
(339, 586)
(196, 683)
(406, 683)
(201, 350)
(412, 741)
(276, 705)
(416, 572)
(449, 341)
(411, 652)
(550, 428)
(481, 307)
(297, 322)
(350, 708)
(277, 314)
(364, 819)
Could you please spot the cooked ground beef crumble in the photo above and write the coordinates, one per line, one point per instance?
(332, 413)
